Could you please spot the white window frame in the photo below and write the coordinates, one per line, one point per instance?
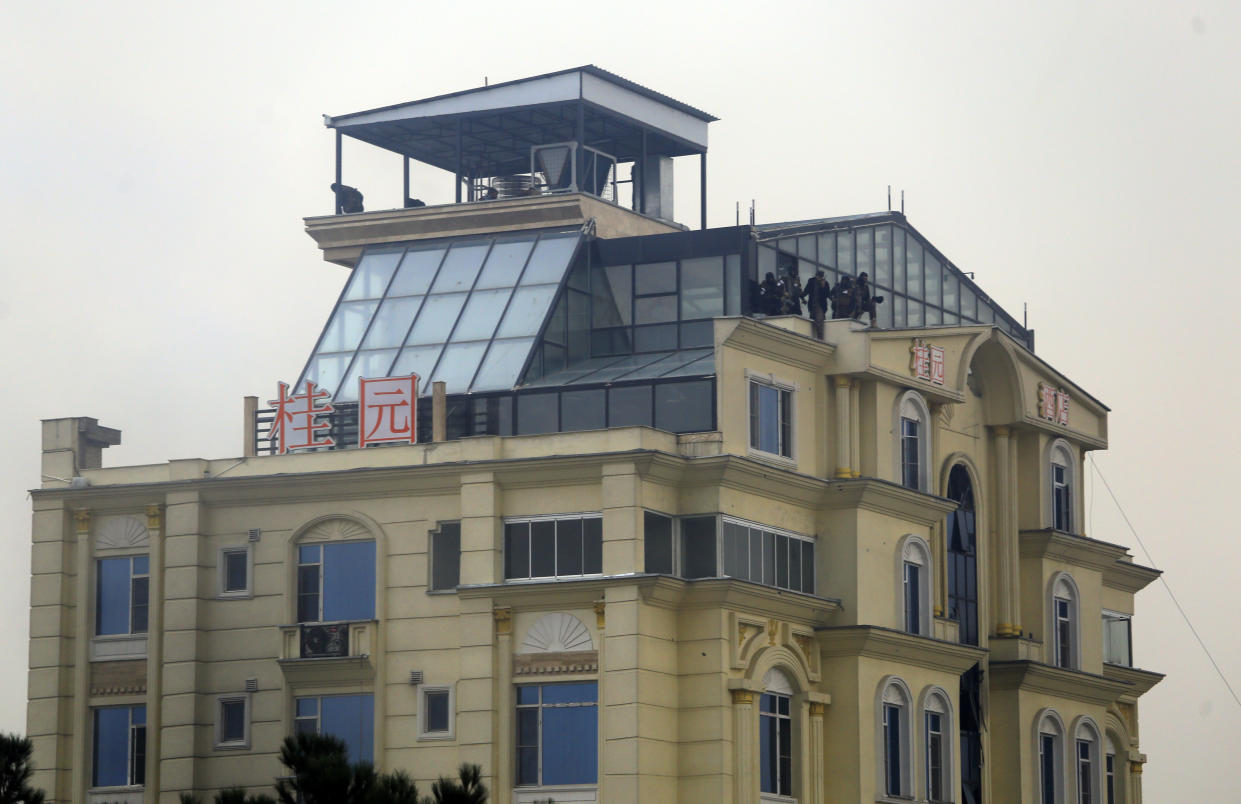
(131, 644)
(220, 700)
(769, 380)
(776, 682)
(1117, 616)
(1059, 453)
(1063, 587)
(130, 766)
(1085, 731)
(517, 520)
(222, 572)
(721, 519)
(915, 550)
(1049, 723)
(936, 701)
(1111, 774)
(911, 405)
(451, 732)
(894, 692)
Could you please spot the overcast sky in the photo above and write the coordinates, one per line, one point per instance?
(1079, 157)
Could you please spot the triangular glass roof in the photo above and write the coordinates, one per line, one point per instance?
(462, 310)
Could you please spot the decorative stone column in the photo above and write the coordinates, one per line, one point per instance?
(505, 726)
(1000, 547)
(855, 428)
(843, 437)
(817, 757)
(745, 728)
(1014, 546)
(82, 634)
(155, 647)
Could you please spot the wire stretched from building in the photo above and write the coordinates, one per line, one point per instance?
(1166, 585)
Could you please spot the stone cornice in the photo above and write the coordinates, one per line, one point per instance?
(1030, 676)
(890, 645)
(1112, 560)
(1140, 681)
(775, 343)
(884, 497)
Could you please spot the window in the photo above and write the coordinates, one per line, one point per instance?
(657, 543)
(1064, 622)
(1109, 768)
(937, 738)
(912, 430)
(121, 595)
(235, 571)
(557, 734)
(915, 586)
(962, 556)
(1086, 753)
(349, 717)
(564, 547)
(446, 557)
(119, 746)
(435, 713)
(775, 734)
(1050, 761)
(336, 582)
(698, 547)
(760, 555)
(1117, 648)
(232, 725)
(1061, 486)
(894, 739)
(771, 419)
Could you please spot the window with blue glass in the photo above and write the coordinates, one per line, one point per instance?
(122, 588)
(336, 582)
(349, 717)
(771, 419)
(775, 735)
(119, 746)
(557, 734)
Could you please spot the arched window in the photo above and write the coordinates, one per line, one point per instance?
(1086, 762)
(962, 555)
(1064, 622)
(896, 778)
(1062, 481)
(1111, 776)
(1050, 758)
(775, 722)
(912, 428)
(937, 743)
(335, 572)
(915, 576)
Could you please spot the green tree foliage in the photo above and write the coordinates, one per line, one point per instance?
(321, 774)
(232, 795)
(15, 771)
(467, 788)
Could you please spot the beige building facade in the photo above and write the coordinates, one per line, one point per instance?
(795, 569)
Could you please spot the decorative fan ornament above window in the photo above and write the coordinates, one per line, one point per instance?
(557, 633)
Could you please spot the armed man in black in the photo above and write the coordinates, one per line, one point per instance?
(817, 293)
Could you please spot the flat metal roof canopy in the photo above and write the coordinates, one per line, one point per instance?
(489, 131)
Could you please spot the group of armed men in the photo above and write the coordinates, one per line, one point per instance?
(849, 299)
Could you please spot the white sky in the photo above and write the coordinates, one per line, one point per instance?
(1082, 157)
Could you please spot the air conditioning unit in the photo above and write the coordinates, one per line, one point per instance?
(320, 641)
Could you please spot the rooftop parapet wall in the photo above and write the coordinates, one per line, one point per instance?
(342, 237)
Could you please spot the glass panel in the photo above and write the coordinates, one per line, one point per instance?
(550, 260)
(368, 364)
(795, 564)
(347, 326)
(370, 278)
(537, 413)
(702, 287)
(592, 546)
(655, 309)
(736, 551)
(655, 338)
(883, 257)
(418, 360)
(112, 596)
(655, 277)
(235, 564)
(827, 248)
(914, 313)
(326, 370)
(703, 365)
(232, 721)
(913, 266)
(349, 581)
(844, 252)
(526, 312)
(865, 240)
(950, 290)
(517, 552)
(769, 558)
(969, 304)
(684, 407)
(482, 311)
(542, 549)
(111, 749)
(807, 567)
(437, 711)
(629, 405)
(698, 547)
(457, 366)
(569, 545)
(612, 291)
(504, 264)
(732, 284)
(435, 321)
(446, 557)
(570, 745)
(898, 259)
(933, 316)
(392, 322)
(898, 311)
(657, 543)
(416, 271)
(578, 325)
(503, 363)
(351, 718)
(805, 247)
(460, 268)
(582, 410)
(934, 280)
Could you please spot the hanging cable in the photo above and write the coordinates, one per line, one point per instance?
(1166, 585)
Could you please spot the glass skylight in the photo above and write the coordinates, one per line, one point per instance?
(465, 311)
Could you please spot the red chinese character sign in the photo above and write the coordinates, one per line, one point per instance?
(928, 362)
(297, 424)
(388, 410)
(1053, 404)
